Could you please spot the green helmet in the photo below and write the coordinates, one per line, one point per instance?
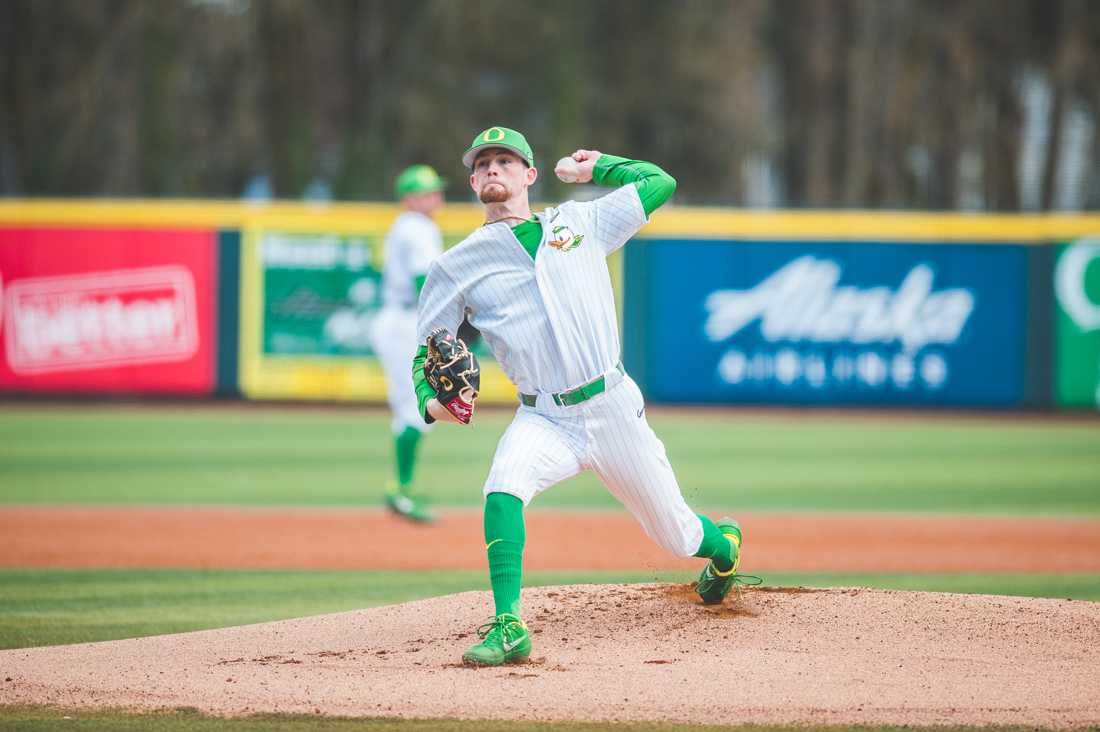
(417, 179)
(499, 137)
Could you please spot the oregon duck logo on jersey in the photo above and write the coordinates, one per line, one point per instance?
(561, 237)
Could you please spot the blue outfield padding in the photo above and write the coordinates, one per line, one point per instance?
(824, 322)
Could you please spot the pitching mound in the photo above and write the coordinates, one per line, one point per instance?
(618, 652)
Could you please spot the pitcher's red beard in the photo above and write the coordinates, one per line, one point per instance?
(493, 192)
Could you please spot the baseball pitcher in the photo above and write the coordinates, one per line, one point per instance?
(538, 288)
(412, 242)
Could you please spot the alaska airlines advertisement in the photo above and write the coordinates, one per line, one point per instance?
(831, 322)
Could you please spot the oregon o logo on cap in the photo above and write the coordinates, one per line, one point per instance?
(493, 134)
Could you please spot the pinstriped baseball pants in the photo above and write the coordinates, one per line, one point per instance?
(610, 435)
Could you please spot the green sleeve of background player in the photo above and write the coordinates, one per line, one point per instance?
(654, 185)
(424, 390)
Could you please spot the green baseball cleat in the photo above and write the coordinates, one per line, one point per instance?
(408, 507)
(504, 639)
(713, 584)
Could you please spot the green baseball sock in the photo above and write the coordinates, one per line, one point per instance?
(504, 539)
(715, 546)
(405, 448)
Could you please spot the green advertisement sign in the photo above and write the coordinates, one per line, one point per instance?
(320, 293)
(1077, 324)
(308, 305)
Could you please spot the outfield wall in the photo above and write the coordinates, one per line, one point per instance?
(276, 301)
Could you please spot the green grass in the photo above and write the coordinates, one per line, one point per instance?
(48, 607)
(786, 461)
(45, 718)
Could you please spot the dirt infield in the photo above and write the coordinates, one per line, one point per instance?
(615, 652)
(237, 538)
(602, 652)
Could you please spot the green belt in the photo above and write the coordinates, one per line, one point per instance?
(582, 393)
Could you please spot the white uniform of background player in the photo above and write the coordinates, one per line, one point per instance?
(539, 290)
(412, 242)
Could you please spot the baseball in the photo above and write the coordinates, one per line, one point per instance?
(566, 170)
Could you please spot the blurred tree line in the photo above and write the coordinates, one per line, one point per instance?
(938, 104)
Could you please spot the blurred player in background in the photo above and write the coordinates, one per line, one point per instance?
(412, 243)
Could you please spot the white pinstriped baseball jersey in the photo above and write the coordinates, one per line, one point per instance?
(551, 324)
(551, 321)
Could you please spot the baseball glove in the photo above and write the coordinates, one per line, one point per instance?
(453, 372)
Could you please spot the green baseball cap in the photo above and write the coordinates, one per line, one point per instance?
(499, 137)
(417, 179)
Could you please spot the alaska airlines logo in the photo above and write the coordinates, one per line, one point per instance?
(803, 301)
(563, 238)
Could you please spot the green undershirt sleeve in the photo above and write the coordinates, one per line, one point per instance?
(424, 390)
(418, 282)
(654, 185)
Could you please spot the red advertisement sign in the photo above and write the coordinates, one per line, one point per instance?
(107, 310)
